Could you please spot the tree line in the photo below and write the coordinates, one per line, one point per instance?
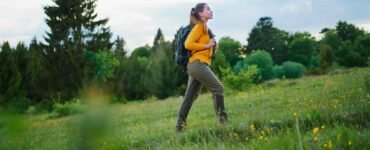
(79, 51)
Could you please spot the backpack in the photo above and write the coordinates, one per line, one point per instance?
(181, 53)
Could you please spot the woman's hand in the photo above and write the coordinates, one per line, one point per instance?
(210, 44)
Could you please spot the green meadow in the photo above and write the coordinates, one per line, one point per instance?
(315, 112)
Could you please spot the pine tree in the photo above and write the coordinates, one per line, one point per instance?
(158, 39)
(37, 85)
(119, 46)
(73, 29)
(5, 70)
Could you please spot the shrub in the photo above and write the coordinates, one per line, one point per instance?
(293, 69)
(367, 84)
(240, 81)
(19, 104)
(69, 108)
(116, 99)
(278, 71)
(264, 62)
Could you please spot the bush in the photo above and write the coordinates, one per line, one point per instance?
(69, 108)
(278, 71)
(19, 104)
(293, 69)
(367, 84)
(264, 62)
(240, 81)
(116, 99)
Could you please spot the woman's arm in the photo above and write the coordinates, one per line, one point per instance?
(193, 37)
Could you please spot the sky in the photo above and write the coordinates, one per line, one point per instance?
(137, 21)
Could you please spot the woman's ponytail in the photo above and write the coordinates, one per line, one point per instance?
(193, 17)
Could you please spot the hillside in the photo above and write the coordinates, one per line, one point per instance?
(315, 112)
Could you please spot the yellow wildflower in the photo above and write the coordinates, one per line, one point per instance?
(338, 137)
(315, 130)
(330, 144)
(253, 128)
(260, 137)
(349, 143)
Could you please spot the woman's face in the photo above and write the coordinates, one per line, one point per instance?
(207, 13)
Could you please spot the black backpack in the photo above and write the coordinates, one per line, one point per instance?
(181, 53)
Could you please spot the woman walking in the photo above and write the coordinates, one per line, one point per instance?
(201, 46)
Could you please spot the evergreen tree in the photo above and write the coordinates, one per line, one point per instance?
(73, 28)
(158, 39)
(119, 47)
(36, 86)
(6, 72)
(162, 72)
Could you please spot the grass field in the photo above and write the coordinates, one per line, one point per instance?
(315, 112)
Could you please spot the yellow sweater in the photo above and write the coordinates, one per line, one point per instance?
(197, 38)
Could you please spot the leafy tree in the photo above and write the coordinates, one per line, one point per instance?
(143, 51)
(302, 48)
(134, 79)
(101, 65)
(327, 56)
(347, 31)
(266, 37)
(362, 47)
(331, 38)
(230, 48)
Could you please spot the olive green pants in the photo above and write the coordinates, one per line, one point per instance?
(200, 74)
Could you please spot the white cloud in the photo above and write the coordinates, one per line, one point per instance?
(21, 20)
(365, 26)
(137, 21)
(296, 6)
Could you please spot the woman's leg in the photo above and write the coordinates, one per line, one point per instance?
(202, 73)
(191, 95)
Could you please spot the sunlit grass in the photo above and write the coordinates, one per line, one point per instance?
(316, 112)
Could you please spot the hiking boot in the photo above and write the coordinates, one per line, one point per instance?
(218, 103)
(181, 124)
